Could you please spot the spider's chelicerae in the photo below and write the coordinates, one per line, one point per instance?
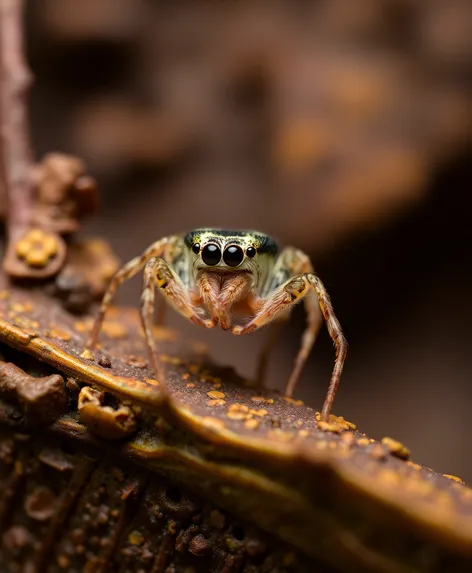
(239, 280)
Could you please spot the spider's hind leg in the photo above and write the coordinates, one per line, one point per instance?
(285, 287)
(337, 336)
(301, 283)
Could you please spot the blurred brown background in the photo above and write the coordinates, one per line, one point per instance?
(337, 126)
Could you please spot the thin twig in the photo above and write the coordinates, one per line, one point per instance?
(3, 183)
(16, 154)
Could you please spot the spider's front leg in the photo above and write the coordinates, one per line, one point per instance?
(309, 287)
(127, 271)
(157, 273)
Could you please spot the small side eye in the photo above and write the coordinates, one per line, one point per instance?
(196, 248)
(251, 252)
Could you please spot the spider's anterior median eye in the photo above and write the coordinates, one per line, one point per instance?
(211, 254)
(196, 248)
(233, 256)
(251, 252)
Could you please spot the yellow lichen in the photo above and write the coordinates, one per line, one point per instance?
(37, 247)
(216, 394)
(238, 408)
(251, 424)
(454, 478)
(87, 355)
(236, 415)
(328, 427)
(260, 413)
(136, 538)
(396, 448)
(114, 329)
(216, 402)
(59, 334)
(213, 423)
(293, 401)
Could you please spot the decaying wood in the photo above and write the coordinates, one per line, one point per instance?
(97, 475)
(314, 495)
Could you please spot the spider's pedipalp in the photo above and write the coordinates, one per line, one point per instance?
(221, 295)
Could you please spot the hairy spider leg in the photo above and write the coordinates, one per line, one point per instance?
(173, 290)
(127, 271)
(290, 263)
(157, 273)
(337, 336)
(280, 298)
(147, 317)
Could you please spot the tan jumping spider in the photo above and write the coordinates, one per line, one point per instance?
(239, 280)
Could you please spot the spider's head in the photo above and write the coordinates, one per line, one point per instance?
(227, 251)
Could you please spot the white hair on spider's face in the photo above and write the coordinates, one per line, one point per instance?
(232, 251)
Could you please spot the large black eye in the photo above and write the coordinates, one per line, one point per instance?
(196, 248)
(251, 252)
(211, 254)
(233, 256)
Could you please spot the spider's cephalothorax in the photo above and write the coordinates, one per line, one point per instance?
(226, 270)
(238, 280)
(232, 251)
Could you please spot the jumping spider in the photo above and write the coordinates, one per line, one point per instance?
(239, 280)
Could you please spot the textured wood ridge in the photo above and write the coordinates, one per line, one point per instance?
(253, 481)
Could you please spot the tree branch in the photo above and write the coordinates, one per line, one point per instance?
(16, 156)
